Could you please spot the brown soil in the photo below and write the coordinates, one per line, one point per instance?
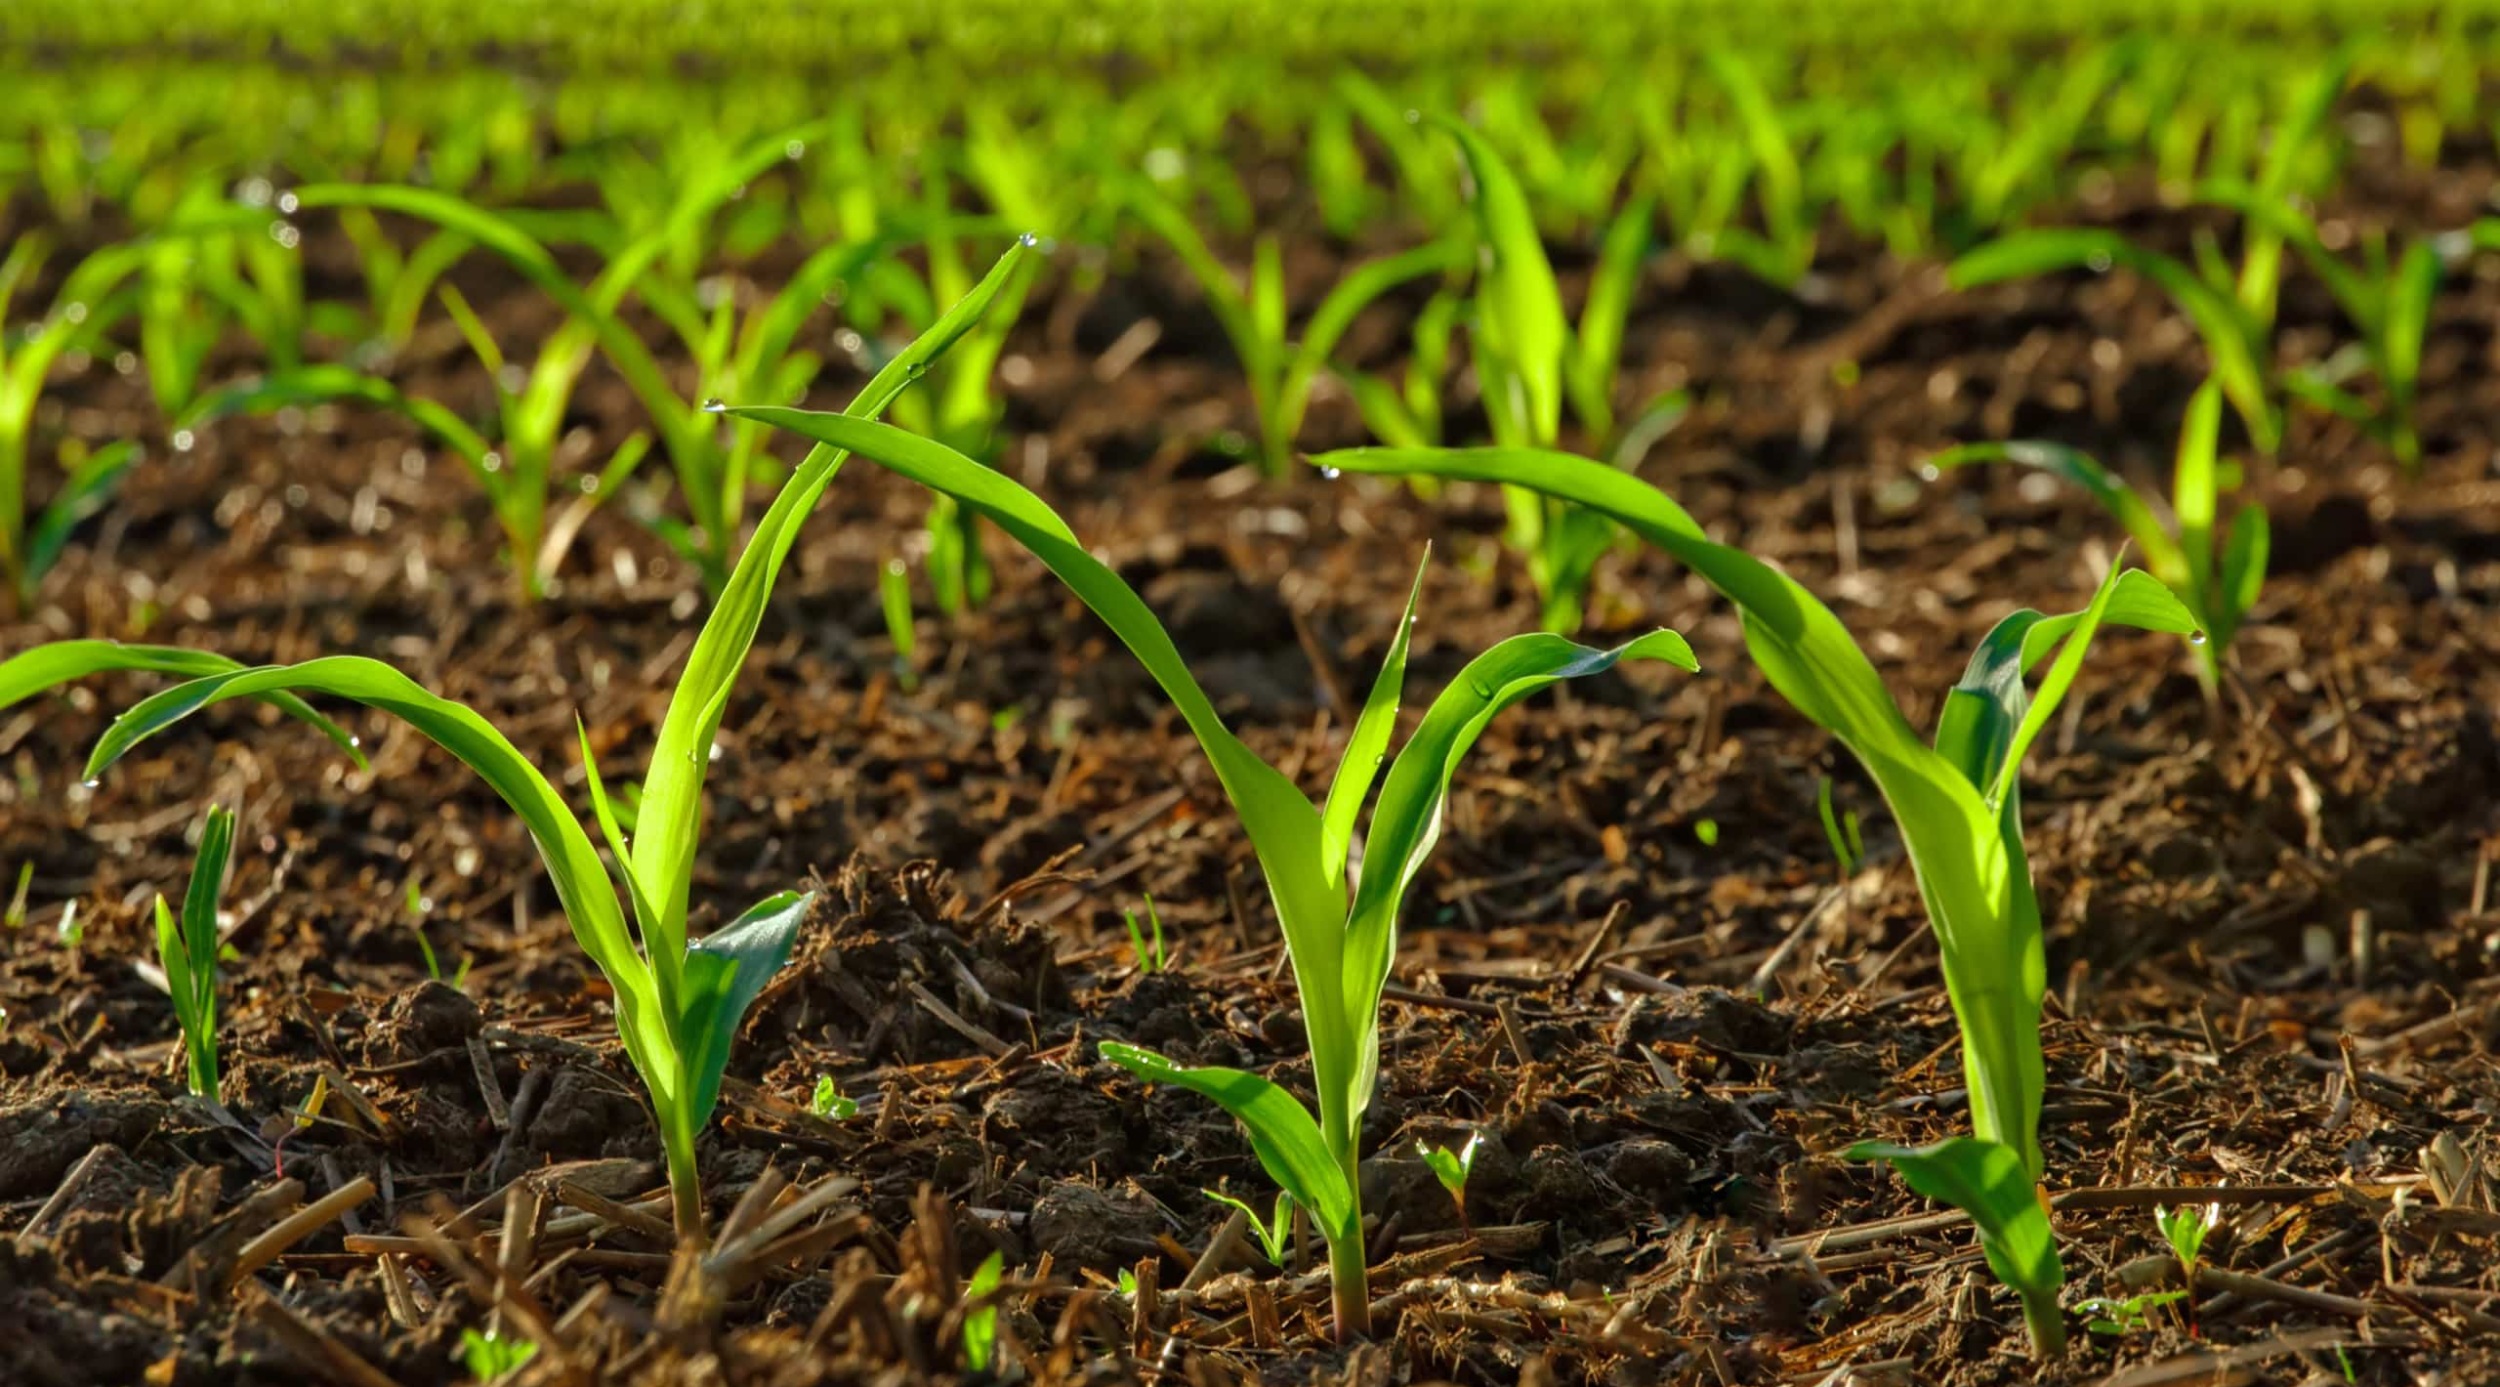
(2273, 961)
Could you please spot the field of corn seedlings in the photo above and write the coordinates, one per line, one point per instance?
(1108, 702)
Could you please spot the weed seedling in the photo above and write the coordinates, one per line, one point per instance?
(829, 1102)
(1146, 944)
(1274, 1233)
(489, 1356)
(2119, 1318)
(1452, 1168)
(980, 1332)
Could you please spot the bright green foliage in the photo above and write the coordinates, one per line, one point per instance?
(2217, 574)
(1340, 924)
(980, 1332)
(186, 949)
(957, 403)
(1272, 1232)
(490, 1356)
(1840, 830)
(678, 1001)
(894, 602)
(2119, 1318)
(1146, 943)
(1406, 413)
(2387, 298)
(1452, 1168)
(55, 663)
(2184, 1228)
(1987, 1180)
(80, 310)
(2235, 346)
(829, 1102)
(1256, 315)
(1529, 361)
(1958, 801)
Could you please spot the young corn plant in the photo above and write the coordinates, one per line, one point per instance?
(1272, 1231)
(83, 307)
(2217, 573)
(186, 951)
(1339, 911)
(1988, 1182)
(1529, 361)
(678, 1000)
(957, 403)
(1255, 314)
(1957, 799)
(1452, 1169)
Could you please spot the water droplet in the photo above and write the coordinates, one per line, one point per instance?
(714, 407)
(794, 149)
(492, 462)
(1928, 472)
(2196, 638)
(287, 202)
(1028, 240)
(1330, 473)
(354, 741)
(183, 440)
(91, 783)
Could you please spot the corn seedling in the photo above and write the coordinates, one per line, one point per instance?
(1452, 1168)
(894, 600)
(1145, 944)
(2235, 347)
(980, 1331)
(83, 307)
(957, 403)
(1958, 801)
(1529, 360)
(186, 950)
(16, 917)
(678, 1001)
(1274, 1233)
(1407, 413)
(1340, 923)
(2388, 299)
(1255, 314)
(829, 1102)
(2219, 583)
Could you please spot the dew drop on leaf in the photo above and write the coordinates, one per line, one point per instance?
(1330, 473)
(714, 407)
(1928, 472)
(2196, 638)
(1028, 240)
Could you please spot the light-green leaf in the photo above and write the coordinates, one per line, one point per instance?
(1988, 1181)
(1282, 1134)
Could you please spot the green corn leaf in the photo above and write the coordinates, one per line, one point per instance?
(55, 663)
(1523, 321)
(1336, 312)
(980, 1331)
(1282, 1134)
(1284, 829)
(187, 950)
(2104, 486)
(1988, 1181)
(1367, 747)
(1976, 889)
(2244, 557)
(2196, 486)
(84, 492)
(1407, 822)
(673, 790)
(2228, 336)
(724, 972)
(311, 385)
(581, 883)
